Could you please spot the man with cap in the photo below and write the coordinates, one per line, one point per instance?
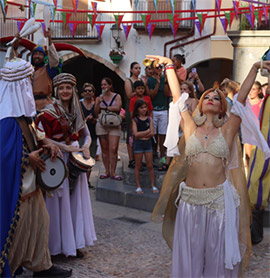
(46, 68)
(23, 215)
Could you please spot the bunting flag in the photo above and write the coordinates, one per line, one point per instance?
(202, 17)
(174, 28)
(126, 29)
(43, 27)
(22, 8)
(100, 29)
(66, 17)
(118, 20)
(94, 6)
(265, 9)
(92, 18)
(236, 8)
(173, 2)
(218, 3)
(198, 25)
(224, 23)
(75, 6)
(173, 19)
(145, 19)
(193, 2)
(20, 25)
(55, 3)
(229, 16)
(52, 10)
(250, 20)
(150, 29)
(73, 27)
(251, 10)
(155, 4)
(258, 15)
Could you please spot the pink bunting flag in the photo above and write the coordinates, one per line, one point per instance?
(126, 29)
(218, 2)
(100, 29)
(150, 29)
(73, 27)
(236, 8)
(265, 9)
(198, 25)
(224, 23)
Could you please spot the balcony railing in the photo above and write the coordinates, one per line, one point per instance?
(148, 5)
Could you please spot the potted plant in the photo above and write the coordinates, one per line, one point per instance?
(116, 55)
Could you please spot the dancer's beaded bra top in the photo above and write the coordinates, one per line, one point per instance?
(217, 148)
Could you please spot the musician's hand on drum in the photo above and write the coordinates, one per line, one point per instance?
(35, 161)
(53, 150)
(161, 60)
(86, 152)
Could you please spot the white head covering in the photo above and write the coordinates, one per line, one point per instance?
(16, 96)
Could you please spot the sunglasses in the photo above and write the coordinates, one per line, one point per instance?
(88, 91)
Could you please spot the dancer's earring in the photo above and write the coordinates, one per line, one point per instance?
(199, 118)
(218, 120)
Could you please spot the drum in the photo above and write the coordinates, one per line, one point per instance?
(54, 174)
(81, 163)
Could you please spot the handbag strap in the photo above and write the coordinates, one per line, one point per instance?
(112, 100)
(64, 123)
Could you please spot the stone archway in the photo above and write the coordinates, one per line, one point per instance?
(92, 69)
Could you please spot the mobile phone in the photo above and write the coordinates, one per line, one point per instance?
(103, 92)
(194, 70)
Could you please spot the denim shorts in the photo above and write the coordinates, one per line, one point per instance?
(142, 146)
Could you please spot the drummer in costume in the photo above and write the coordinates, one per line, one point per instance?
(71, 219)
(203, 243)
(47, 66)
(24, 218)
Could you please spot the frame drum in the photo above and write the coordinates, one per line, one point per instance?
(54, 174)
(81, 163)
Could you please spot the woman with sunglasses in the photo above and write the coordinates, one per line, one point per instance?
(88, 108)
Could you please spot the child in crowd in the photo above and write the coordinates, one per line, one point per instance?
(143, 130)
(139, 89)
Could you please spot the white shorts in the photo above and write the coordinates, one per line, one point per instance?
(160, 121)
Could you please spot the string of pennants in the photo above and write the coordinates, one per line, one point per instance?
(226, 16)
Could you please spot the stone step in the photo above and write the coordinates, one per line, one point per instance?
(117, 193)
(129, 178)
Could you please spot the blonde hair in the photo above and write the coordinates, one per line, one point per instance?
(229, 85)
(222, 100)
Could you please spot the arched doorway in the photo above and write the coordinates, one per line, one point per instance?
(214, 70)
(92, 71)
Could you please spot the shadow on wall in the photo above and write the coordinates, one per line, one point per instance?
(90, 71)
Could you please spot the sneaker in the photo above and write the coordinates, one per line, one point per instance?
(162, 160)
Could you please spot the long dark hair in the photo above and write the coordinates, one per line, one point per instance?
(139, 102)
(132, 66)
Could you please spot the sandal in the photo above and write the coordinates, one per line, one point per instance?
(104, 176)
(164, 167)
(117, 178)
(155, 190)
(131, 164)
(139, 190)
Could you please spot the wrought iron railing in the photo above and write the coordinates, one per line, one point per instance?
(148, 5)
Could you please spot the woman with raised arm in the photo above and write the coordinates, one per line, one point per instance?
(208, 241)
